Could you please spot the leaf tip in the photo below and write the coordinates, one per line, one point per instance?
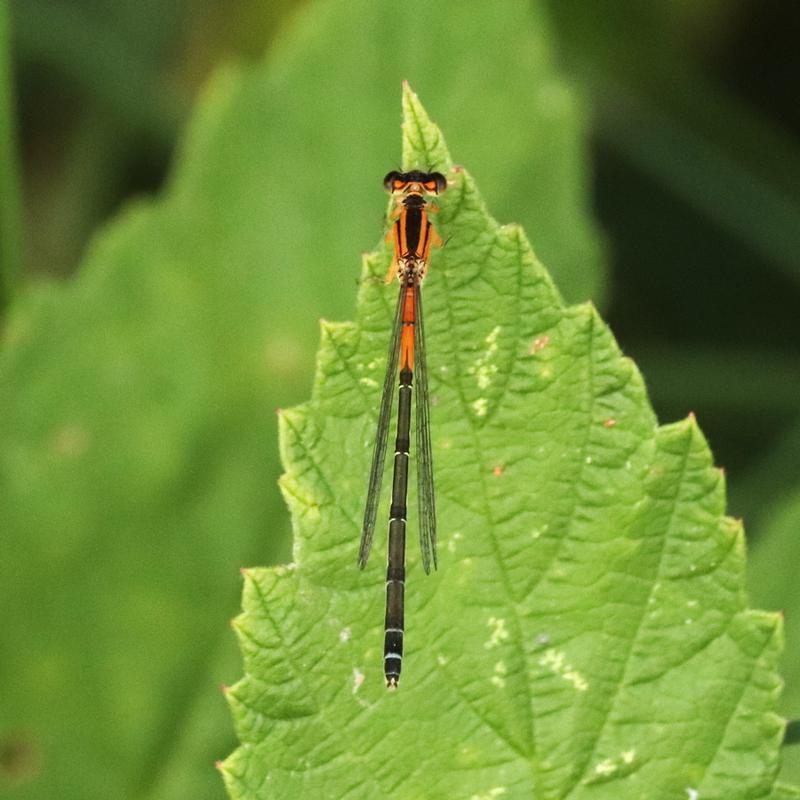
(700, 442)
(423, 143)
(688, 428)
(692, 426)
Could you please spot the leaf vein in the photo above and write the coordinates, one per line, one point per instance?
(490, 527)
(614, 695)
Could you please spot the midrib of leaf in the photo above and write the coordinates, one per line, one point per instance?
(529, 751)
(432, 150)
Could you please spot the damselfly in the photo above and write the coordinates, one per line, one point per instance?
(412, 235)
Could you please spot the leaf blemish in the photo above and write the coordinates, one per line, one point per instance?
(607, 767)
(556, 661)
(484, 369)
(344, 635)
(358, 679)
(539, 344)
(480, 407)
(71, 441)
(497, 791)
(499, 632)
(498, 678)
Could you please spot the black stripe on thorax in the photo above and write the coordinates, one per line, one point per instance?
(413, 229)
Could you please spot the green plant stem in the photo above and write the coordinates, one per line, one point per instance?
(10, 217)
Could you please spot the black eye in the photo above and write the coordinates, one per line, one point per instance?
(388, 181)
(441, 181)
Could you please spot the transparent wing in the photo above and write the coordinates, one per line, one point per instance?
(381, 436)
(425, 499)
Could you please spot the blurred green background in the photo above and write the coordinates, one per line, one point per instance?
(186, 188)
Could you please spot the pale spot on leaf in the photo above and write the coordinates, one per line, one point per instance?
(498, 634)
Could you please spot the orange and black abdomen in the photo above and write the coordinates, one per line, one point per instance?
(398, 511)
(409, 320)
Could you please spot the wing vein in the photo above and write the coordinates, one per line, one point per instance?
(381, 437)
(425, 493)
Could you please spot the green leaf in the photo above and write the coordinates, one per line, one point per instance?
(586, 634)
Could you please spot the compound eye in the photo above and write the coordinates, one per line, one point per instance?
(390, 180)
(439, 181)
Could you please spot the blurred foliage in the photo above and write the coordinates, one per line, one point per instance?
(773, 577)
(9, 173)
(138, 527)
